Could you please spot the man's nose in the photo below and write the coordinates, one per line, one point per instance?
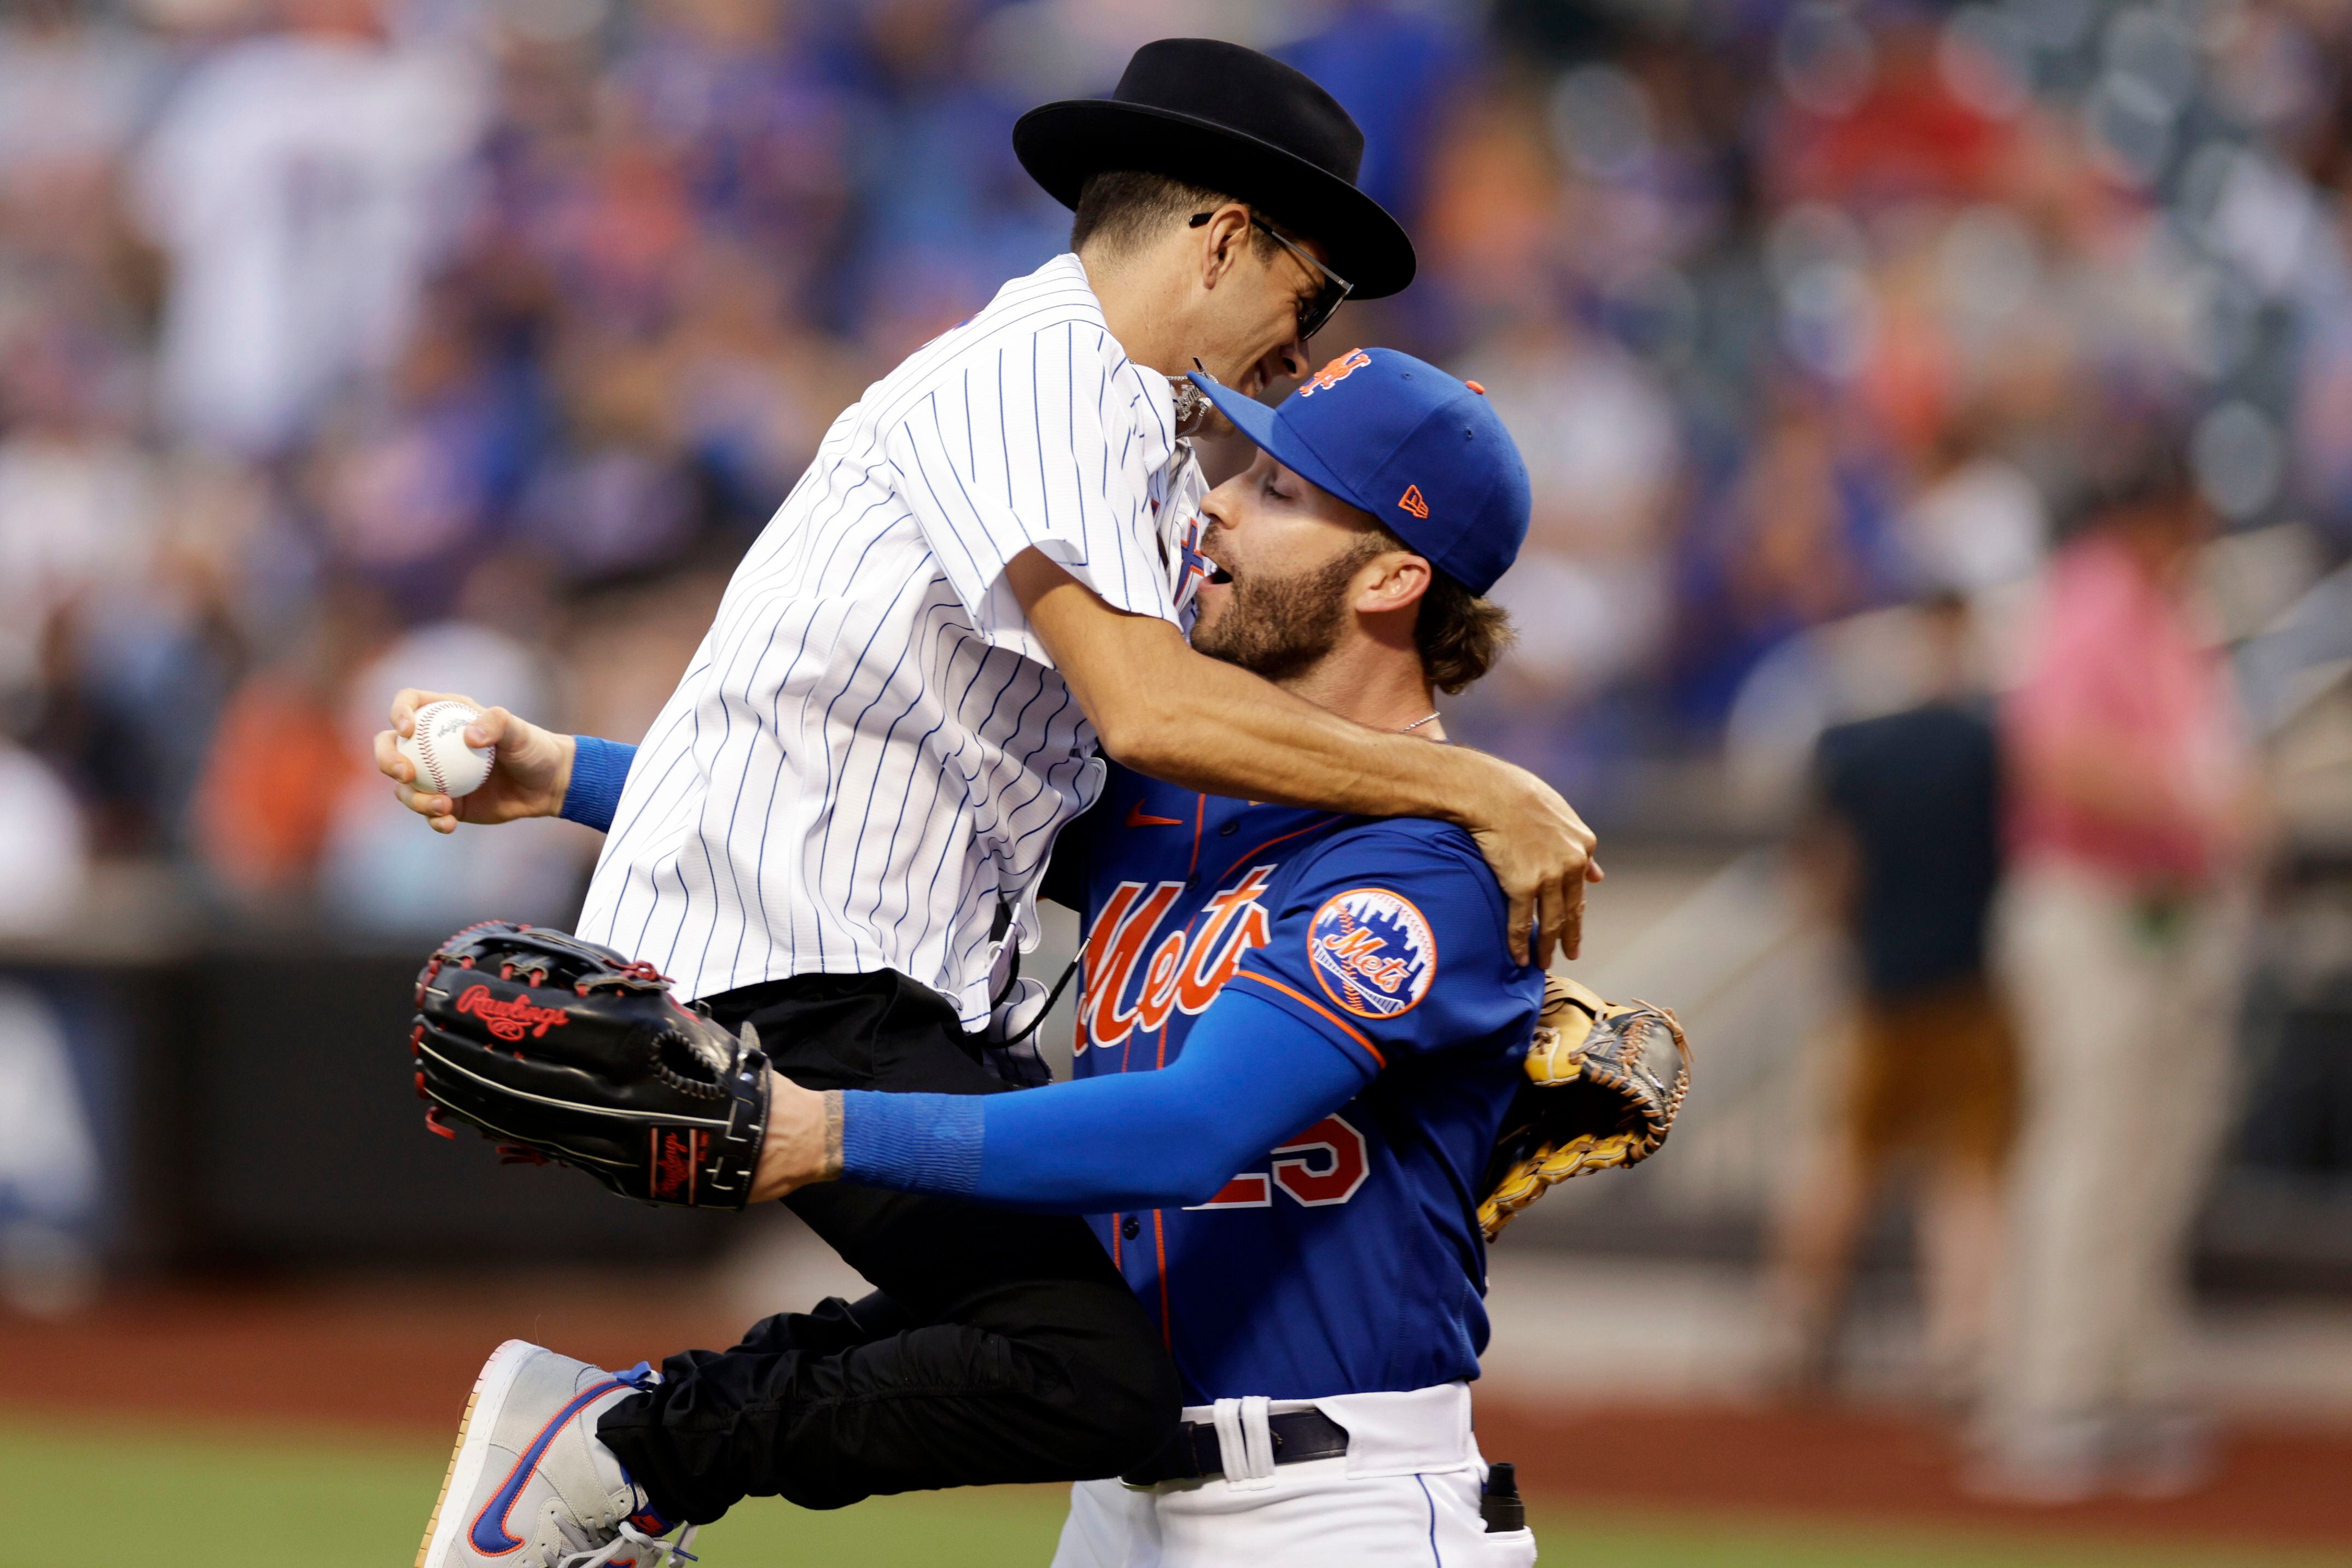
(1285, 362)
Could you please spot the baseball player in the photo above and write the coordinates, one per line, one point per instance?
(833, 835)
(1290, 970)
(1300, 1035)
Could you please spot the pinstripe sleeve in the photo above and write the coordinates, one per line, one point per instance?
(1031, 439)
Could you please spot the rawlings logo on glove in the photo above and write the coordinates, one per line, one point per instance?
(677, 1157)
(512, 1018)
(560, 1050)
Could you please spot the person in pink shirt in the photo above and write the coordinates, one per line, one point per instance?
(2130, 799)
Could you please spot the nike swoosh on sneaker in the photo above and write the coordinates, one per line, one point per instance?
(489, 1534)
(1136, 817)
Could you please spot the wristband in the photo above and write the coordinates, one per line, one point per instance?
(599, 769)
(911, 1143)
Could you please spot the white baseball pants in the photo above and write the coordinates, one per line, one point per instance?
(1405, 1495)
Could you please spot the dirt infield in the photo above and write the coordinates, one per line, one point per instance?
(398, 1360)
(2279, 1486)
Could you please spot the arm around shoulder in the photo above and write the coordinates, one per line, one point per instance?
(1196, 722)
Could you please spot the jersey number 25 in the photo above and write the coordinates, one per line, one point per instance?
(1322, 1165)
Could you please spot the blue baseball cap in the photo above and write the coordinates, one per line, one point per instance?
(1417, 449)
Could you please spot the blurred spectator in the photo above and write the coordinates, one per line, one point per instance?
(141, 662)
(281, 759)
(1395, 70)
(1903, 848)
(1977, 520)
(2130, 818)
(77, 501)
(73, 89)
(44, 848)
(2324, 436)
(412, 480)
(302, 182)
(1591, 592)
(1796, 310)
(623, 495)
(51, 1184)
(1797, 538)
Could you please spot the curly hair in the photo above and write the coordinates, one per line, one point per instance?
(1458, 634)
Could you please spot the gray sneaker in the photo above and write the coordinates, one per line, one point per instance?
(532, 1487)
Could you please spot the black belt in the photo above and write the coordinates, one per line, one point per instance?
(1194, 1454)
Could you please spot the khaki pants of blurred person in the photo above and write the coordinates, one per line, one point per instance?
(2125, 1012)
(1928, 1081)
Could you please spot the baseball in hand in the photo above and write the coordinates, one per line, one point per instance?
(436, 748)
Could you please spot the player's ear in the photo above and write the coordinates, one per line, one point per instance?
(1224, 236)
(1398, 581)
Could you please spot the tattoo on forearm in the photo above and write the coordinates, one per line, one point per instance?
(832, 1135)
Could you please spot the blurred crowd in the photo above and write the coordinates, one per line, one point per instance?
(2047, 900)
(352, 343)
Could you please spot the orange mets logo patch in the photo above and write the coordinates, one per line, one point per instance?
(1371, 952)
(1337, 371)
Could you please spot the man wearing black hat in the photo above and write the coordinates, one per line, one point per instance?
(1299, 1034)
(834, 831)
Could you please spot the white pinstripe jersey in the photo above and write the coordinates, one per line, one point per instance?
(871, 753)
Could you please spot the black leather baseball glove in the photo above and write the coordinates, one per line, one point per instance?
(558, 1049)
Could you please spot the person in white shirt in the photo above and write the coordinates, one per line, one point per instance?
(304, 183)
(835, 830)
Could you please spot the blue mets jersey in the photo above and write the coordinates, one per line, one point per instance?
(1347, 1259)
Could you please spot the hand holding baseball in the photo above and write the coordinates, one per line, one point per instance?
(530, 773)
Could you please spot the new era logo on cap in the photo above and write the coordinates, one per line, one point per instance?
(1411, 502)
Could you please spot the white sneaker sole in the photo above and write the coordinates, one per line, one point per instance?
(465, 1461)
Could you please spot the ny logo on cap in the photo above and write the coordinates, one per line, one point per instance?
(1337, 371)
(1411, 502)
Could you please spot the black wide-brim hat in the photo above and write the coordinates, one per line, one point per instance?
(1221, 116)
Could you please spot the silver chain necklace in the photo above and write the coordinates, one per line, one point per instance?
(1416, 723)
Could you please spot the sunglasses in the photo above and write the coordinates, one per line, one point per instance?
(1314, 314)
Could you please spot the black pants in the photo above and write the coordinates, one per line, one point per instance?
(1000, 1346)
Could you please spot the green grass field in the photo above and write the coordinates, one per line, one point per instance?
(119, 1497)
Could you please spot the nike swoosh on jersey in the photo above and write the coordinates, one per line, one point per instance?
(1136, 817)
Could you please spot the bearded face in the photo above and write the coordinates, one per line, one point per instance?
(1271, 623)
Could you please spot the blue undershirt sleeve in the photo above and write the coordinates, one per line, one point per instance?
(1250, 1075)
(599, 769)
